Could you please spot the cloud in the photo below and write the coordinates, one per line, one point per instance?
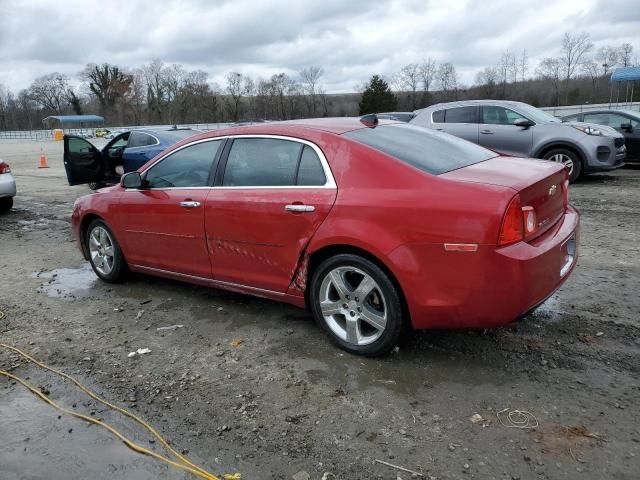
(350, 40)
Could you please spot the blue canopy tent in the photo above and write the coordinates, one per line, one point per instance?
(627, 76)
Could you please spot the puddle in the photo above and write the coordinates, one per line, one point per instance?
(36, 443)
(67, 283)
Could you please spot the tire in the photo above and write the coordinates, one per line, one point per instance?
(105, 255)
(96, 185)
(569, 159)
(369, 326)
(5, 204)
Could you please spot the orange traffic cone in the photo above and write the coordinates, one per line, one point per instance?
(43, 160)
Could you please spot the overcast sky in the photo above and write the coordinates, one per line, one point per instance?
(350, 39)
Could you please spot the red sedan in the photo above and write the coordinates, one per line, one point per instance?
(370, 226)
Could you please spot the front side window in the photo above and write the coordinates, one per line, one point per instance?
(461, 115)
(494, 115)
(272, 162)
(425, 149)
(188, 167)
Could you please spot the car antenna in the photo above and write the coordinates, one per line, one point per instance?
(370, 120)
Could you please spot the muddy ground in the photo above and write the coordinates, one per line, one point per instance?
(285, 401)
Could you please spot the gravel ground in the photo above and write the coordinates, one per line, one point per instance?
(284, 403)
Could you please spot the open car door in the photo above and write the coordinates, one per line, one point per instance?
(83, 162)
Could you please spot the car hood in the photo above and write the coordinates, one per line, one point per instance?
(606, 131)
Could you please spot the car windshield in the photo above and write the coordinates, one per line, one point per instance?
(537, 115)
(430, 151)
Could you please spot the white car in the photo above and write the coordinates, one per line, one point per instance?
(7, 187)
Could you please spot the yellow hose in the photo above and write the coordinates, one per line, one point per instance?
(185, 465)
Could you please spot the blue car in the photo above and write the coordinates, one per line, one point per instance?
(126, 152)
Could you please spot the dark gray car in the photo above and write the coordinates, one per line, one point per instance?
(518, 129)
(627, 122)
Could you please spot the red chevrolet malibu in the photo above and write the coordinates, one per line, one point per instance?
(372, 226)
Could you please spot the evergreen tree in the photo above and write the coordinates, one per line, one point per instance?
(377, 97)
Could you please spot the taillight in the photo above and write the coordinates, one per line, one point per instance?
(4, 168)
(511, 230)
(518, 222)
(565, 194)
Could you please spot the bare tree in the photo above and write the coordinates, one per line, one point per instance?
(606, 57)
(574, 49)
(523, 64)
(551, 69)
(625, 52)
(447, 78)
(51, 92)
(310, 83)
(508, 70)
(428, 70)
(409, 80)
(487, 79)
(591, 69)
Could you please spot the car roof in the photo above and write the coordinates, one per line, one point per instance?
(337, 125)
(463, 103)
(169, 134)
(587, 112)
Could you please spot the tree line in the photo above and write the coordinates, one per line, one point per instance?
(158, 93)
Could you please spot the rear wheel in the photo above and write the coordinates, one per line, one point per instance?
(569, 159)
(105, 254)
(6, 203)
(357, 304)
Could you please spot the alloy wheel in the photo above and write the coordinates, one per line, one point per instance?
(101, 250)
(353, 305)
(566, 160)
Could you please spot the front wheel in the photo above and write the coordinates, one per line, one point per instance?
(105, 254)
(569, 159)
(5, 204)
(357, 304)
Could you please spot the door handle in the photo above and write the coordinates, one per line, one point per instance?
(189, 204)
(486, 132)
(299, 208)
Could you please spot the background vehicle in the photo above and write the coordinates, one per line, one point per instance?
(518, 129)
(7, 187)
(126, 152)
(400, 116)
(280, 210)
(626, 122)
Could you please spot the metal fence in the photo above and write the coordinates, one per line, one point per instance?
(91, 132)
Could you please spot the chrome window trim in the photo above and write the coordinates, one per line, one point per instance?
(329, 184)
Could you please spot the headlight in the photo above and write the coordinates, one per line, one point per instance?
(588, 130)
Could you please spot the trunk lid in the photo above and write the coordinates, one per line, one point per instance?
(538, 182)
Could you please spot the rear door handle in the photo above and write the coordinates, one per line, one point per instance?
(189, 204)
(486, 132)
(299, 208)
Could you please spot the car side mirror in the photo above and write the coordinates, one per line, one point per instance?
(524, 123)
(627, 127)
(131, 180)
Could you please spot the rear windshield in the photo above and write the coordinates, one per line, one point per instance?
(428, 150)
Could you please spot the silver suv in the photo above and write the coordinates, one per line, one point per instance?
(518, 129)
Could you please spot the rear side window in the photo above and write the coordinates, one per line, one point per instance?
(462, 115)
(188, 167)
(425, 149)
(139, 139)
(272, 162)
(262, 162)
(438, 116)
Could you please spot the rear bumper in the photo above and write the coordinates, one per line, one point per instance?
(490, 287)
(7, 185)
